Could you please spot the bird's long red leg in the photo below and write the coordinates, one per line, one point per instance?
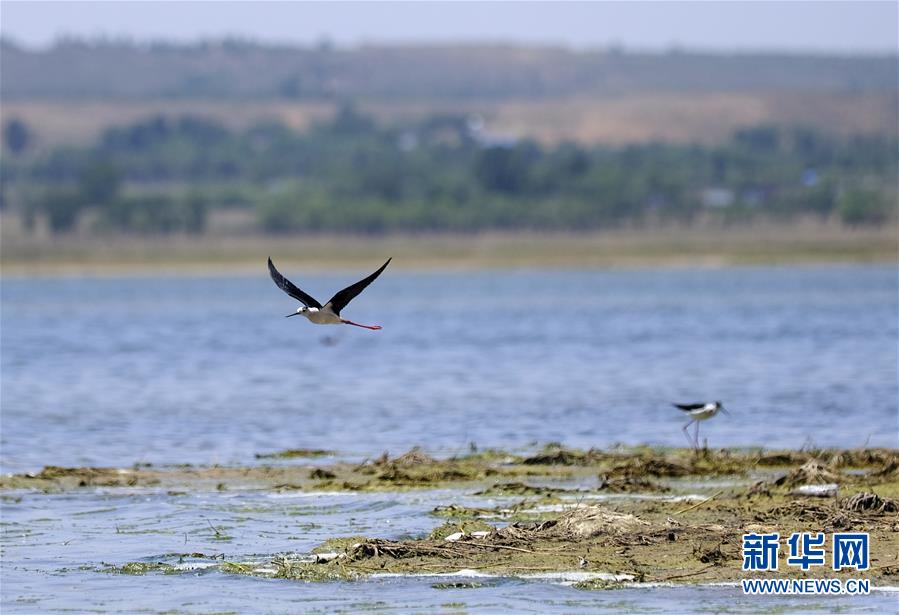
(356, 324)
(687, 434)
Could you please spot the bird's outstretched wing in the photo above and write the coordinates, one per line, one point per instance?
(688, 407)
(288, 287)
(340, 300)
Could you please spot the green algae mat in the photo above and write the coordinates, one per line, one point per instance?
(614, 517)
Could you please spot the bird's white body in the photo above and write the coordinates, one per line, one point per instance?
(698, 413)
(323, 316)
(706, 412)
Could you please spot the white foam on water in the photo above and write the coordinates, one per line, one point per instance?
(559, 578)
(307, 494)
(689, 497)
(549, 508)
(572, 577)
(187, 566)
(464, 573)
(546, 508)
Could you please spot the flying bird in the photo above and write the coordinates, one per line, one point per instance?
(699, 412)
(329, 313)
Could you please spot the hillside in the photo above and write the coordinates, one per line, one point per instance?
(237, 69)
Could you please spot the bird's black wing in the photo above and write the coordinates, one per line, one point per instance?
(288, 287)
(688, 407)
(340, 300)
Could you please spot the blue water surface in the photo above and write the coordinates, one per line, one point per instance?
(112, 371)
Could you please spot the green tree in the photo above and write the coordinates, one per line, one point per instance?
(99, 183)
(194, 213)
(349, 121)
(16, 136)
(862, 206)
(62, 207)
(504, 169)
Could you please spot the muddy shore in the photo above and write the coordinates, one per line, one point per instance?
(604, 517)
(711, 246)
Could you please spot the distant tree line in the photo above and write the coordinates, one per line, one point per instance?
(239, 69)
(443, 173)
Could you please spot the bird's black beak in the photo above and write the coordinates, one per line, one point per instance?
(724, 410)
(294, 314)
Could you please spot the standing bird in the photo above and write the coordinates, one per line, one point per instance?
(328, 314)
(697, 413)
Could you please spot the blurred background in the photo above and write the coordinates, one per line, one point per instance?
(177, 127)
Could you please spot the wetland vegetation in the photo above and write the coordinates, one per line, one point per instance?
(603, 517)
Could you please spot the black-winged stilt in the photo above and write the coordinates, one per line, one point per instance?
(329, 313)
(699, 412)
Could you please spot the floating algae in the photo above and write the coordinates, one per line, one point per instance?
(620, 470)
(592, 520)
(523, 510)
(237, 568)
(679, 464)
(343, 543)
(782, 458)
(456, 511)
(462, 585)
(601, 584)
(292, 453)
(465, 528)
(870, 502)
(141, 568)
(519, 488)
(812, 472)
(667, 542)
(860, 457)
(413, 457)
(640, 535)
(630, 484)
(890, 470)
(554, 454)
(89, 477)
(322, 474)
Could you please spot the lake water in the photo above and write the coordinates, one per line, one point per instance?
(114, 371)
(208, 370)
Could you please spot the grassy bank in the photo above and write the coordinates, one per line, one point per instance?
(628, 515)
(24, 254)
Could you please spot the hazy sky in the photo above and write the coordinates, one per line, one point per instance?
(724, 25)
